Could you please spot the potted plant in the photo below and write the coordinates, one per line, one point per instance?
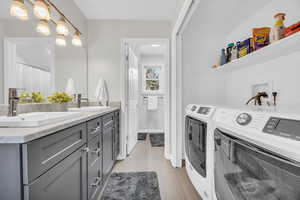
(61, 99)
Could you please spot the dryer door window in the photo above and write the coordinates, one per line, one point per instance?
(196, 144)
(244, 171)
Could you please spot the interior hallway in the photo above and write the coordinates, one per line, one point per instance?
(174, 182)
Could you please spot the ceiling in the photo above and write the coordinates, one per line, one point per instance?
(130, 9)
(149, 49)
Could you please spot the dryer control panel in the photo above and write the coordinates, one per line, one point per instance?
(283, 127)
(200, 110)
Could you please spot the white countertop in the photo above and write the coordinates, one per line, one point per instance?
(24, 135)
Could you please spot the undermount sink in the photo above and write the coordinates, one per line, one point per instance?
(89, 108)
(36, 119)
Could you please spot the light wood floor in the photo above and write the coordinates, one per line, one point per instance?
(174, 182)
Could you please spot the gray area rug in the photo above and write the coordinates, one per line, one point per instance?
(132, 186)
(142, 136)
(157, 140)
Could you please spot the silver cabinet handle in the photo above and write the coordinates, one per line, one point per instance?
(108, 123)
(95, 130)
(62, 151)
(98, 180)
(86, 149)
(96, 151)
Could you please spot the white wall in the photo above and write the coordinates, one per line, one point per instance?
(1, 63)
(104, 40)
(151, 119)
(202, 43)
(282, 74)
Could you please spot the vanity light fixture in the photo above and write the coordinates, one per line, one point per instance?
(19, 10)
(43, 27)
(61, 40)
(62, 27)
(76, 41)
(41, 10)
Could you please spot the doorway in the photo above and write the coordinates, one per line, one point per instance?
(145, 93)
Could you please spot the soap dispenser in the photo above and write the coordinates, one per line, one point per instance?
(223, 57)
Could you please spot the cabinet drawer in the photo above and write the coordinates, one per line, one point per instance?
(42, 154)
(65, 181)
(108, 120)
(94, 127)
(95, 149)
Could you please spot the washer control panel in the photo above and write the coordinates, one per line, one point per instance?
(283, 127)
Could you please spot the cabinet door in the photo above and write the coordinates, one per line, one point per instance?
(108, 159)
(65, 181)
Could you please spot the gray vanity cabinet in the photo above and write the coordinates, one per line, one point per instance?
(65, 181)
(71, 164)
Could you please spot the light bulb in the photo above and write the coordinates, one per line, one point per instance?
(61, 40)
(19, 10)
(43, 27)
(62, 27)
(76, 41)
(41, 10)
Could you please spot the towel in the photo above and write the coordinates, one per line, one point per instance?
(101, 93)
(152, 102)
(70, 87)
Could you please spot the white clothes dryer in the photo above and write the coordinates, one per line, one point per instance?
(199, 147)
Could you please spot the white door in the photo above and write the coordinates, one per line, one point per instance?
(133, 99)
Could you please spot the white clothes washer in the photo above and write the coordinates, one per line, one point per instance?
(256, 155)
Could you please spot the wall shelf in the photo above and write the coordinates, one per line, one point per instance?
(280, 48)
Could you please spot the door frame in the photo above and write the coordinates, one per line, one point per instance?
(177, 112)
(124, 94)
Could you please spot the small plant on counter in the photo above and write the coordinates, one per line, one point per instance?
(34, 97)
(37, 97)
(60, 97)
(25, 98)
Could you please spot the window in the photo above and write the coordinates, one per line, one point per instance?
(152, 78)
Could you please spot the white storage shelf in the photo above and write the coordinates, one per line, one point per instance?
(277, 49)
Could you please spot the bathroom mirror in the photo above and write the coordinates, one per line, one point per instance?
(33, 62)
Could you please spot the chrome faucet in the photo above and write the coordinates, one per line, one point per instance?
(79, 100)
(13, 100)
